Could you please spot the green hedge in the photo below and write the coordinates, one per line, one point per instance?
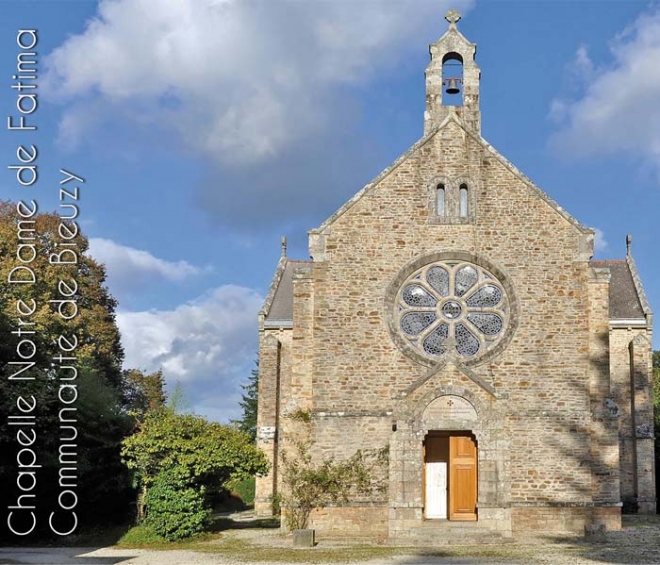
(175, 510)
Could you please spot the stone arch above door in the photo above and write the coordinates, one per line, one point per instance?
(422, 410)
(450, 407)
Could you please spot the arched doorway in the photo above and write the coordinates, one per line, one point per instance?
(450, 475)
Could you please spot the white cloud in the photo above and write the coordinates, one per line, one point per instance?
(558, 110)
(236, 79)
(209, 345)
(583, 67)
(600, 243)
(618, 111)
(125, 263)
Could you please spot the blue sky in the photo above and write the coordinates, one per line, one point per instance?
(207, 129)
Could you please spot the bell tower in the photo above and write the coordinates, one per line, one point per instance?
(452, 79)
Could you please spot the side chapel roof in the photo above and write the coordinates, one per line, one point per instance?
(627, 297)
(278, 306)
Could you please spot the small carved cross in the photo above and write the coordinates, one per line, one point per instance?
(453, 16)
(450, 403)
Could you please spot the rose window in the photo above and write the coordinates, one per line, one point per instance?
(451, 304)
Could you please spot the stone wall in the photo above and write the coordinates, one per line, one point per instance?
(630, 359)
(641, 373)
(565, 519)
(603, 425)
(548, 445)
(274, 387)
(542, 374)
(367, 522)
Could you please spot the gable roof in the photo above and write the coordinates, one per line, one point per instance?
(625, 300)
(453, 117)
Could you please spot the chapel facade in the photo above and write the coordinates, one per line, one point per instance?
(451, 315)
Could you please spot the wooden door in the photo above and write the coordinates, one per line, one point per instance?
(462, 478)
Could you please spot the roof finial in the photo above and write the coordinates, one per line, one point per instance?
(628, 244)
(284, 246)
(453, 17)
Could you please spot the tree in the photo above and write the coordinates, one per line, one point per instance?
(143, 392)
(656, 406)
(178, 401)
(103, 483)
(656, 387)
(99, 346)
(249, 403)
(201, 454)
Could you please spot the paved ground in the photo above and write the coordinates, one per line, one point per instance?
(638, 543)
(108, 556)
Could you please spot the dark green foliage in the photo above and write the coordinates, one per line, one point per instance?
(106, 487)
(656, 406)
(249, 402)
(244, 489)
(176, 506)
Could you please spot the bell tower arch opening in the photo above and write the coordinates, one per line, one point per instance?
(452, 80)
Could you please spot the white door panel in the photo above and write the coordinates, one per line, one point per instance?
(436, 490)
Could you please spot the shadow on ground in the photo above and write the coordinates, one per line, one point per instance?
(637, 543)
(60, 556)
(224, 521)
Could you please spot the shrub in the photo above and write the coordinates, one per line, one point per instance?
(206, 454)
(175, 509)
(310, 485)
(244, 489)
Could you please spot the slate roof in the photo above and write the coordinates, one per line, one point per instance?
(624, 299)
(280, 308)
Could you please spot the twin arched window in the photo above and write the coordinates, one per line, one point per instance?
(440, 197)
(463, 201)
(446, 201)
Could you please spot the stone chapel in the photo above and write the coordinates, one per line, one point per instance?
(451, 313)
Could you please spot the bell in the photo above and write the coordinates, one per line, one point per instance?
(452, 86)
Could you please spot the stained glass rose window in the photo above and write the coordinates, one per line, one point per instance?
(451, 304)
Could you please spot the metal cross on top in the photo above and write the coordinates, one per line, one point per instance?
(453, 16)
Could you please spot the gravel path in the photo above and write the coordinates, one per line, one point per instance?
(638, 543)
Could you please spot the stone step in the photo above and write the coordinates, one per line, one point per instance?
(452, 524)
(442, 532)
(444, 539)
